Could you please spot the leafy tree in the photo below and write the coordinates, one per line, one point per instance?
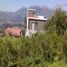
(58, 22)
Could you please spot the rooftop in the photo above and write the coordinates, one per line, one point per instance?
(37, 18)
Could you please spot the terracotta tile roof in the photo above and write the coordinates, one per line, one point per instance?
(13, 31)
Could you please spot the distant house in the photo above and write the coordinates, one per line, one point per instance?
(13, 31)
(34, 23)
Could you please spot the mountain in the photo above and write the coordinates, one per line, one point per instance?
(43, 10)
(18, 16)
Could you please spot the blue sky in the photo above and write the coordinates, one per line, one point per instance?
(13, 5)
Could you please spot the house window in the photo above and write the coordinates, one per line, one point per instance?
(33, 26)
(36, 24)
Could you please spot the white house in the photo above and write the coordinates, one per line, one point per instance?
(34, 23)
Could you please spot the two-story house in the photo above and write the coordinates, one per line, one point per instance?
(34, 23)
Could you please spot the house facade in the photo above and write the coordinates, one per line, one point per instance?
(34, 23)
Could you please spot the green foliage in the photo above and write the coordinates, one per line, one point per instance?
(46, 49)
(58, 22)
(33, 51)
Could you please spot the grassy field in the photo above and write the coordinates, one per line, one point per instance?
(57, 64)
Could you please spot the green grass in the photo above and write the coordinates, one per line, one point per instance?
(57, 64)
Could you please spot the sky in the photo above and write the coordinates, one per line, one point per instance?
(13, 5)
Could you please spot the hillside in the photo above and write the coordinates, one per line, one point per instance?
(18, 16)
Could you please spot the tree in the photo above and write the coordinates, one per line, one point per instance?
(25, 23)
(58, 22)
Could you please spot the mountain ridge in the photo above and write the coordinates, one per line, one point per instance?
(18, 16)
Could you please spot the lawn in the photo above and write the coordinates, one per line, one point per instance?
(55, 64)
(58, 64)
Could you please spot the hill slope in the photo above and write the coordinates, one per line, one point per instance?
(18, 16)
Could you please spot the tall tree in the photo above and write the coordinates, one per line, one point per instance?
(58, 22)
